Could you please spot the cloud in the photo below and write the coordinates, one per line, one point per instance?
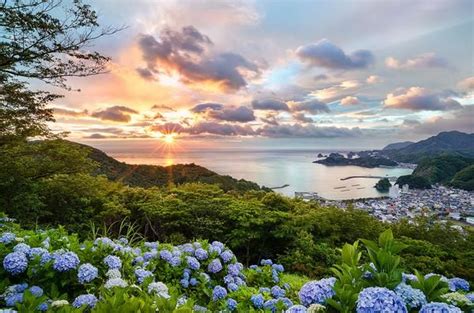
(311, 106)
(209, 128)
(96, 136)
(340, 90)
(270, 118)
(67, 112)
(301, 117)
(188, 53)
(203, 107)
(460, 120)
(374, 79)
(233, 114)
(115, 113)
(419, 99)
(307, 131)
(349, 100)
(466, 84)
(320, 77)
(326, 54)
(145, 73)
(426, 60)
(270, 104)
(162, 107)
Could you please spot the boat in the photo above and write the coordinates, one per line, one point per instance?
(340, 187)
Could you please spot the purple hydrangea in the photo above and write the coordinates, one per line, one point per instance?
(227, 256)
(166, 255)
(277, 292)
(438, 307)
(36, 291)
(142, 274)
(175, 261)
(113, 262)
(65, 261)
(34, 252)
(88, 300)
(87, 273)
(151, 245)
(215, 266)
(218, 293)
(193, 281)
(7, 238)
(231, 304)
(201, 254)
(42, 307)
(13, 299)
(379, 299)
(187, 248)
(278, 267)
(147, 256)
(266, 262)
(234, 269)
(317, 291)
(22, 247)
(270, 305)
(413, 298)
(184, 282)
(232, 287)
(457, 283)
(257, 300)
(193, 263)
(15, 263)
(296, 309)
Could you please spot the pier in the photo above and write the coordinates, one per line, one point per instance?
(370, 176)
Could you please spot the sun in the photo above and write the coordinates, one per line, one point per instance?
(169, 138)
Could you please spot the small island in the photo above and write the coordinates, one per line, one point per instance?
(383, 185)
(337, 159)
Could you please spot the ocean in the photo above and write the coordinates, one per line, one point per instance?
(271, 165)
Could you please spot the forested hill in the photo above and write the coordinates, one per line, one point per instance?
(154, 175)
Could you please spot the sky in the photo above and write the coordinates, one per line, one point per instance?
(348, 71)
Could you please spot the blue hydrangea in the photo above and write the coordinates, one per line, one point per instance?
(42, 307)
(317, 291)
(227, 256)
(234, 269)
(187, 248)
(442, 278)
(201, 254)
(104, 241)
(231, 304)
(458, 284)
(296, 309)
(270, 305)
(438, 307)
(7, 238)
(266, 262)
(286, 302)
(253, 267)
(175, 261)
(115, 282)
(413, 298)
(257, 300)
(142, 274)
(193, 263)
(34, 252)
(239, 281)
(217, 244)
(408, 277)
(198, 308)
(36, 291)
(15, 263)
(277, 292)
(232, 287)
(218, 293)
(88, 300)
(147, 256)
(87, 273)
(184, 282)
(278, 267)
(215, 266)
(166, 255)
(470, 296)
(123, 240)
(22, 247)
(193, 281)
(18, 288)
(264, 289)
(13, 299)
(379, 299)
(113, 262)
(151, 245)
(65, 261)
(275, 276)
(113, 273)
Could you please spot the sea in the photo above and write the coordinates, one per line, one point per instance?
(271, 164)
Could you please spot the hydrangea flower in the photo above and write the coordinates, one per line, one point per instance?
(232, 287)
(457, 283)
(13, 299)
(193, 281)
(278, 292)
(142, 274)
(257, 301)
(218, 293)
(408, 277)
(234, 269)
(184, 282)
(379, 299)
(278, 267)
(59, 303)
(227, 256)
(159, 289)
(470, 297)
(166, 255)
(88, 300)
(413, 298)
(37, 251)
(264, 289)
(87, 273)
(15, 263)
(296, 309)
(270, 305)
(147, 256)
(201, 254)
(286, 302)
(317, 291)
(187, 248)
(231, 304)
(113, 273)
(456, 298)
(438, 307)
(7, 238)
(42, 307)
(65, 261)
(113, 262)
(215, 266)
(22, 247)
(151, 245)
(18, 288)
(115, 282)
(193, 263)
(198, 308)
(442, 278)
(175, 261)
(264, 262)
(36, 291)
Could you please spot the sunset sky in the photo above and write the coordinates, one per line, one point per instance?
(345, 70)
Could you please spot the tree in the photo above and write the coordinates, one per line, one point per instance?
(46, 41)
(383, 185)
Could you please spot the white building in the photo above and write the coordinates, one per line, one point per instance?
(394, 192)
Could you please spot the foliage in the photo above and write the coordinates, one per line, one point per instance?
(414, 182)
(432, 286)
(383, 185)
(464, 179)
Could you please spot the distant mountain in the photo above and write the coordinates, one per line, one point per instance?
(398, 145)
(336, 159)
(154, 175)
(445, 143)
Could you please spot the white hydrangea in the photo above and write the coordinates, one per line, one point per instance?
(59, 303)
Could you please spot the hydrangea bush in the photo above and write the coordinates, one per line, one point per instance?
(51, 271)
